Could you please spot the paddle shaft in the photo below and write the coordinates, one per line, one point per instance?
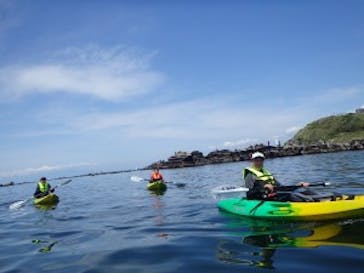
(295, 187)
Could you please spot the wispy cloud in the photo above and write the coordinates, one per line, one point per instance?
(197, 119)
(337, 94)
(293, 129)
(212, 120)
(44, 168)
(239, 143)
(109, 74)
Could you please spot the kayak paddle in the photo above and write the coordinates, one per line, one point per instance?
(231, 188)
(240, 189)
(295, 187)
(21, 203)
(140, 179)
(228, 189)
(135, 178)
(346, 185)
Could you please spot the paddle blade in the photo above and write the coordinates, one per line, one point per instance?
(136, 178)
(62, 184)
(229, 189)
(180, 185)
(177, 184)
(18, 204)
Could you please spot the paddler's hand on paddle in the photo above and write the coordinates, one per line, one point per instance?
(303, 184)
(51, 190)
(269, 187)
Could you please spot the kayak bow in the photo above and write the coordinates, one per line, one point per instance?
(158, 186)
(49, 199)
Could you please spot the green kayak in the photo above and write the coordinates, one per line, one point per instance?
(348, 206)
(158, 186)
(50, 199)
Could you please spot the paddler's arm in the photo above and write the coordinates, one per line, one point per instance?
(249, 181)
(270, 187)
(37, 192)
(277, 183)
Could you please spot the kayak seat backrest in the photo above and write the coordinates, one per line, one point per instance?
(303, 197)
(284, 196)
(350, 197)
(315, 197)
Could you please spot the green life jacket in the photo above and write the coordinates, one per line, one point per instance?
(43, 187)
(263, 175)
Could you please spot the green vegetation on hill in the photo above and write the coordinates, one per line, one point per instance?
(335, 129)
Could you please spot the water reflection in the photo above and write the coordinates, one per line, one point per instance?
(46, 207)
(157, 205)
(259, 240)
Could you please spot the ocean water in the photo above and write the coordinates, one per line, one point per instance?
(111, 224)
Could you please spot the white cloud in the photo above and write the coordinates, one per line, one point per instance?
(44, 168)
(335, 95)
(199, 119)
(213, 120)
(240, 143)
(293, 129)
(109, 74)
(340, 93)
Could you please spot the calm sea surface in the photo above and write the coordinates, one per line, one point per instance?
(111, 224)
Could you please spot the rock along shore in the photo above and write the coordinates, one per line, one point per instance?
(196, 158)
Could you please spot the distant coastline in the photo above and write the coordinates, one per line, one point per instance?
(336, 133)
(197, 158)
(330, 134)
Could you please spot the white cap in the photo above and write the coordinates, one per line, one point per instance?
(257, 155)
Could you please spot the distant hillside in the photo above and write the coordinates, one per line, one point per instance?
(334, 129)
(327, 135)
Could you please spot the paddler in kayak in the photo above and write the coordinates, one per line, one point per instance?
(156, 176)
(261, 182)
(43, 188)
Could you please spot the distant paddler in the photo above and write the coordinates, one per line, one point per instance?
(156, 182)
(156, 176)
(43, 188)
(262, 183)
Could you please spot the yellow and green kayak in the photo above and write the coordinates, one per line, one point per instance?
(352, 206)
(50, 199)
(157, 186)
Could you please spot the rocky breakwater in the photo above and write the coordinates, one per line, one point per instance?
(196, 158)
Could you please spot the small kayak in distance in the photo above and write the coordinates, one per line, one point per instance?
(49, 199)
(352, 206)
(158, 186)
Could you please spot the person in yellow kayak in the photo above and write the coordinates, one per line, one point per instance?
(156, 176)
(43, 188)
(262, 183)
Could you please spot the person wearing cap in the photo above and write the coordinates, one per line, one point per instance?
(259, 180)
(43, 188)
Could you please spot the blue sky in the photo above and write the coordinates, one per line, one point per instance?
(120, 84)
